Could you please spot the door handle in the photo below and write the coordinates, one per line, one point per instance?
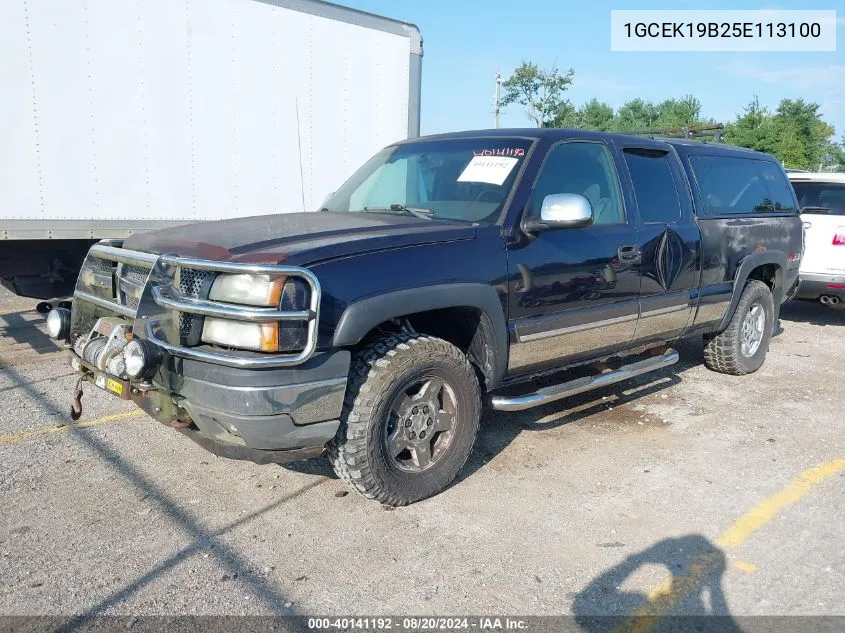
(630, 254)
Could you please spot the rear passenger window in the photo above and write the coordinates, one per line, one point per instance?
(654, 185)
(741, 186)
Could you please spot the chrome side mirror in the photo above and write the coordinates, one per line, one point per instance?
(562, 211)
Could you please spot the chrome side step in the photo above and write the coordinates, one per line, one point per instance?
(580, 385)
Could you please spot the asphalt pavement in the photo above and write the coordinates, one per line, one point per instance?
(681, 492)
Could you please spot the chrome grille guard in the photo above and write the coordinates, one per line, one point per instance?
(168, 297)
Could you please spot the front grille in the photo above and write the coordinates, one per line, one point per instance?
(197, 284)
(131, 280)
(134, 274)
(101, 265)
(101, 291)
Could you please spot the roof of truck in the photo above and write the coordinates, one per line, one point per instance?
(683, 146)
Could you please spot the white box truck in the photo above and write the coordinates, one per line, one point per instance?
(118, 116)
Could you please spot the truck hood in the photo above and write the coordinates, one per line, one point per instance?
(297, 238)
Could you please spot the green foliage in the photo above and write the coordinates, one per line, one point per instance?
(794, 132)
(634, 116)
(538, 90)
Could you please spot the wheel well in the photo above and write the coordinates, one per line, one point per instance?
(468, 329)
(769, 274)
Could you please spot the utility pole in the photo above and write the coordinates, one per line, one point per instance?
(497, 99)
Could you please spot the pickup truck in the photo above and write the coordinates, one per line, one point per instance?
(445, 270)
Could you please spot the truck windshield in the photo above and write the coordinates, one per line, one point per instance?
(824, 198)
(466, 179)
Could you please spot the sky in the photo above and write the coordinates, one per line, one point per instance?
(467, 41)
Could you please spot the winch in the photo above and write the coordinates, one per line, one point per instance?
(103, 347)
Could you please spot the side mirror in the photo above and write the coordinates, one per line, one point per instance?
(562, 211)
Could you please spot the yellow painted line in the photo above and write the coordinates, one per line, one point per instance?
(768, 508)
(747, 567)
(24, 436)
(665, 596)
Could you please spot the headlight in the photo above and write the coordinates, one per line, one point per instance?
(259, 337)
(258, 290)
(247, 289)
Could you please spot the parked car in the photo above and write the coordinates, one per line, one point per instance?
(445, 269)
(821, 198)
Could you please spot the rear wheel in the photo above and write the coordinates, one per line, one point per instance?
(741, 348)
(409, 421)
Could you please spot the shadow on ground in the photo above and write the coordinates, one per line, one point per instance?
(499, 428)
(22, 330)
(813, 313)
(694, 589)
(199, 539)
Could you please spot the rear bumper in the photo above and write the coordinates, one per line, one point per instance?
(813, 286)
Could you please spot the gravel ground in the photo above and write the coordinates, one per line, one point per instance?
(582, 507)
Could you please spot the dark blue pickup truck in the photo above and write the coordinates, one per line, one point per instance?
(444, 270)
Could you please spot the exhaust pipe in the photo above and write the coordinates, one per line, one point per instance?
(824, 299)
(833, 300)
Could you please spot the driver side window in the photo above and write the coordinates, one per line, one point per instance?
(586, 169)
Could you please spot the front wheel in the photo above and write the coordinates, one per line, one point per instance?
(741, 348)
(409, 420)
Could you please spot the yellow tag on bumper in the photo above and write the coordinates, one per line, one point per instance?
(114, 386)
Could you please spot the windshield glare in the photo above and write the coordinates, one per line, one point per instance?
(460, 179)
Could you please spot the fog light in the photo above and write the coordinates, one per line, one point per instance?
(58, 323)
(140, 358)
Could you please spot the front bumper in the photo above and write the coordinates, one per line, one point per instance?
(247, 414)
(813, 286)
(247, 405)
(273, 409)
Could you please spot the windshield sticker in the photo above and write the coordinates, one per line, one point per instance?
(502, 151)
(490, 169)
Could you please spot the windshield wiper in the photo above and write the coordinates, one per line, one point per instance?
(425, 214)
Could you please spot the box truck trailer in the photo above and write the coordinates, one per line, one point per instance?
(119, 116)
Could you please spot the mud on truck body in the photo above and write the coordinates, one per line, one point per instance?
(447, 273)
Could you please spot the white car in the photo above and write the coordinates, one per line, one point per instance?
(821, 197)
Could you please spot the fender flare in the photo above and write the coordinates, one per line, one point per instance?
(748, 264)
(362, 316)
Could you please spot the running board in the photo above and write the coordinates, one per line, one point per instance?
(580, 385)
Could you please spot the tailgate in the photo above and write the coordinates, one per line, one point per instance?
(824, 244)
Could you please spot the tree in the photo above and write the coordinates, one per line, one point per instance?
(596, 115)
(750, 129)
(678, 113)
(795, 133)
(839, 155)
(539, 91)
(636, 115)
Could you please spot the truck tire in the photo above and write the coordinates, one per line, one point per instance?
(741, 348)
(409, 419)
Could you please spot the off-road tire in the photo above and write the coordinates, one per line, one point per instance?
(723, 352)
(377, 372)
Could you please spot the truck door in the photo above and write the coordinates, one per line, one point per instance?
(669, 243)
(573, 292)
